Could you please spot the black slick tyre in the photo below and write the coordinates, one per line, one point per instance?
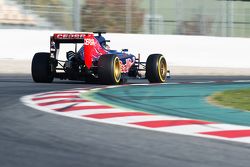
(156, 68)
(109, 69)
(41, 68)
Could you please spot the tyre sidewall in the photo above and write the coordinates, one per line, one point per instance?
(41, 68)
(106, 73)
(153, 68)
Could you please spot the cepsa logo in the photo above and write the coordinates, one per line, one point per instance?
(69, 36)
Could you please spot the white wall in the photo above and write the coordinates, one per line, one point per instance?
(197, 51)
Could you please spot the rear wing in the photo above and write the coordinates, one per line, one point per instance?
(86, 38)
(69, 37)
(74, 38)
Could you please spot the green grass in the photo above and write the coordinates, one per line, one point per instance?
(239, 99)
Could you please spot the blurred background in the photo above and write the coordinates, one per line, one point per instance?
(225, 18)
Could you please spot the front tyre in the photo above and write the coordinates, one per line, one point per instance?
(109, 69)
(156, 68)
(41, 68)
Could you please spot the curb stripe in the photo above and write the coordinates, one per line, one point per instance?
(53, 97)
(118, 114)
(166, 123)
(70, 103)
(73, 108)
(229, 133)
(53, 100)
(59, 92)
(142, 118)
(82, 113)
(63, 102)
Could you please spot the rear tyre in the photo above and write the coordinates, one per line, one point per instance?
(109, 69)
(156, 68)
(41, 68)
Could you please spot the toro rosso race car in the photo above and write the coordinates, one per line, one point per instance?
(94, 62)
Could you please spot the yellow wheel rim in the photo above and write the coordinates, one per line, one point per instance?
(117, 70)
(162, 69)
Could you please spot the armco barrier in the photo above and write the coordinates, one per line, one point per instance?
(199, 51)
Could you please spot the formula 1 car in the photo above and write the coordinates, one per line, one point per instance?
(94, 62)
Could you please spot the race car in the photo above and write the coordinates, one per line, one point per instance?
(94, 62)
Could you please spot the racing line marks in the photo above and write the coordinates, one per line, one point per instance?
(72, 103)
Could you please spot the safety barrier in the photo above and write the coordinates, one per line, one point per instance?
(197, 51)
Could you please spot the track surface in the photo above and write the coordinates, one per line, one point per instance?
(33, 138)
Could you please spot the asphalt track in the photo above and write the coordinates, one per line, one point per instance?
(33, 138)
